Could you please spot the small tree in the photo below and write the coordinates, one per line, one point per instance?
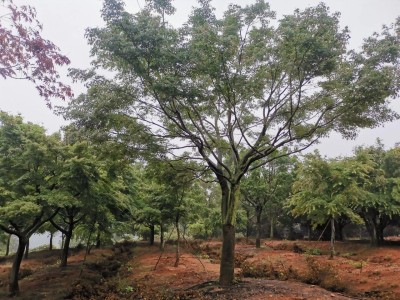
(268, 187)
(325, 190)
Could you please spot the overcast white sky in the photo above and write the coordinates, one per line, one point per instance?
(64, 23)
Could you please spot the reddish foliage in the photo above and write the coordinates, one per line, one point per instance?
(24, 54)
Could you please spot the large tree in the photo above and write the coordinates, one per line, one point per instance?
(25, 54)
(235, 89)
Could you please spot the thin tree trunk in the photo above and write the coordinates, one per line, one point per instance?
(68, 236)
(332, 238)
(162, 236)
(13, 286)
(26, 256)
(98, 239)
(88, 247)
(62, 240)
(8, 245)
(248, 225)
(272, 228)
(258, 236)
(51, 241)
(65, 251)
(152, 233)
(177, 254)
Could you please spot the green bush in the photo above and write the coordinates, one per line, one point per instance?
(313, 251)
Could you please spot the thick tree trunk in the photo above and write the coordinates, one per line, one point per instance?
(332, 238)
(8, 245)
(51, 241)
(227, 267)
(13, 286)
(229, 203)
(258, 236)
(177, 254)
(152, 233)
(26, 256)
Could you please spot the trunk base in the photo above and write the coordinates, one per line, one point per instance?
(227, 268)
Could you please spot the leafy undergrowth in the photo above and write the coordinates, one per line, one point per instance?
(279, 270)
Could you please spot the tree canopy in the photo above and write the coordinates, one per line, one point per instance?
(234, 90)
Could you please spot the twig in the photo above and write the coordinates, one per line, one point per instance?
(194, 253)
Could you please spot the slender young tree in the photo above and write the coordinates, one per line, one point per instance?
(236, 89)
(266, 188)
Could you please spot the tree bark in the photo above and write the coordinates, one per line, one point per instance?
(177, 254)
(98, 239)
(258, 236)
(332, 238)
(229, 202)
(13, 286)
(51, 241)
(272, 228)
(26, 256)
(65, 251)
(248, 225)
(62, 240)
(8, 245)
(372, 230)
(162, 236)
(152, 233)
(227, 266)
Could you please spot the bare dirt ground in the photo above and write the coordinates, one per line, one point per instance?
(279, 270)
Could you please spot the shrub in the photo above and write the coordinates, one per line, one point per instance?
(313, 251)
(324, 275)
(267, 269)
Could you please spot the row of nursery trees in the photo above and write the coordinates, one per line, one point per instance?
(65, 182)
(220, 98)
